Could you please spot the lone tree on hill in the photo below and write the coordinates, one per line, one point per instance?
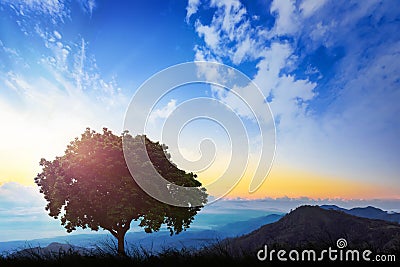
(90, 186)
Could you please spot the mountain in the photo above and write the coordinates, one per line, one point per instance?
(88, 241)
(52, 250)
(367, 212)
(312, 226)
(333, 207)
(245, 227)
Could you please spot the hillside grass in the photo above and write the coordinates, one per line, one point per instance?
(105, 255)
(134, 257)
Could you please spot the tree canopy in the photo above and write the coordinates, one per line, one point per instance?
(90, 186)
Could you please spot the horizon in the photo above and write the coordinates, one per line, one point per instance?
(243, 210)
(17, 220)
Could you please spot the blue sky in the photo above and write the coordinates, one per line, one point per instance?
(328, 69)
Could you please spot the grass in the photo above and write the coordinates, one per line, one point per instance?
(105, 255)
(135, 257)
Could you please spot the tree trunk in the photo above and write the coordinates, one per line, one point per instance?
(121, 243)
(119, 233)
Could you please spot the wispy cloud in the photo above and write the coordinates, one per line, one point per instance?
(191, 8)
(309, 7)
(55, 9)
(164, 112)
(88, 5)
(53, 95)
(229, 34)
(10, 196)
(286, 17)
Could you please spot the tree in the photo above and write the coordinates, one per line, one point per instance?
(90, 186)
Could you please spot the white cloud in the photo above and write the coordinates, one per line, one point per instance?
(242, 50)
(204, 54)
(233, 13)
(10, 196)
(290, 95)
(53, 8)
(57, 35)
(286, 16)
(91, 5)
(229, 33)
(56, 10)
(320, 33)
(164, 112)
(79, 65)
(309, 7)
(210, 34)
(88, 5)
(191, 8)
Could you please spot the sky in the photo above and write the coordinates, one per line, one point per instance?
(328, 71)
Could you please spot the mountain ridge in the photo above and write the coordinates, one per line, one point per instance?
(369, 212)
(312, 226)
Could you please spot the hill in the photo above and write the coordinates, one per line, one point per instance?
(312, 226)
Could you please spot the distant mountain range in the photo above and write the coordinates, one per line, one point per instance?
(52, 250)
(317, 227)
(245, 227)
(306, 225)
(367, 212)
(192, 238)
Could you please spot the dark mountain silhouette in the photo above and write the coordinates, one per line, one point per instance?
(333, 207)
(312, 226)
(367, 212)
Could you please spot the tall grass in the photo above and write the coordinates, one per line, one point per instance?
(105, 254)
